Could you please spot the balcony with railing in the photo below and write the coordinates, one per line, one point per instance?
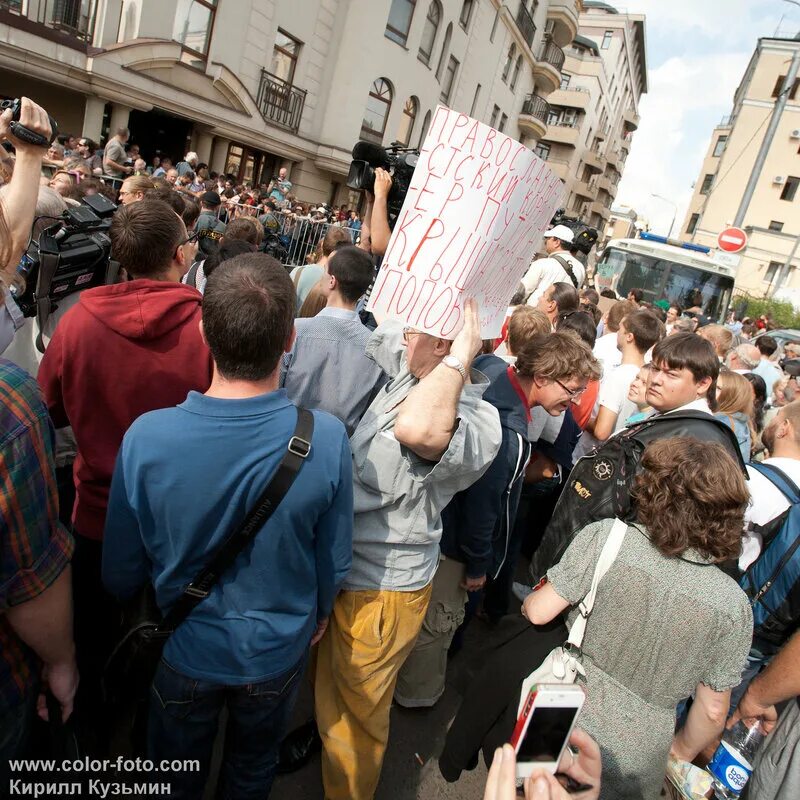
(571, 97)
(560, 132)
(279, 102)
(564, 16)
(726, 122)
(594, 161)
(547, 69)
(533, 115)
(526, 25)
(67, 22)
(630, 119)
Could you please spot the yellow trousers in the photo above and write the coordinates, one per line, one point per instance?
(369, 637)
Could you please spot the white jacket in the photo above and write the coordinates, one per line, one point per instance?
(547, 271)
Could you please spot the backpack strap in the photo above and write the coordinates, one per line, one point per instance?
(296, 279)
(779, 479)
(191, 275)
(567, 268)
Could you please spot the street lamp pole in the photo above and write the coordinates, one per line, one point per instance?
(674, 216)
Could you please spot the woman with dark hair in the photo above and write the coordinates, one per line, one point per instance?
(666, 623)
(581, 322)
(759, 399)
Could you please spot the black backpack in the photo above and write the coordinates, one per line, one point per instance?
(599, 485)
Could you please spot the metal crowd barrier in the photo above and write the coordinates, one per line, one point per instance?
(298, 237)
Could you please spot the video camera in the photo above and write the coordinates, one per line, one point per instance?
(398, 160)
(70, 255)
(26, 134)
(585, 237)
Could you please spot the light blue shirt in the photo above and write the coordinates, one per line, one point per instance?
(771, 373)
(328, 367)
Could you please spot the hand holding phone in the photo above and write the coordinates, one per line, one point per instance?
(544, 726)
(582, 774)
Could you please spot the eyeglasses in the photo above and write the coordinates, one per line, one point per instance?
(573, 394)
(409, 332)
(193, 237)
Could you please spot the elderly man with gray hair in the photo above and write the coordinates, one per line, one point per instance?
(743, 358)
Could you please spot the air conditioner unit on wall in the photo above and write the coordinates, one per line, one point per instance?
(779, 179)
(795, 134)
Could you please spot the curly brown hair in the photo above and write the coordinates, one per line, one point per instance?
(691, 494)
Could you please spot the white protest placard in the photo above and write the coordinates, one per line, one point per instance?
(470, 224)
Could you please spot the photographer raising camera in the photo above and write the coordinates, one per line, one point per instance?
(29, 130)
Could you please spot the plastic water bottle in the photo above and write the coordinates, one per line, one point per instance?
(732, 764)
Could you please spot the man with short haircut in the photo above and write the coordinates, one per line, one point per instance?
(172, 177)
(743, 359)
(638, 332)
(558, 299)
(766, 368)
(559, 266)
(161, 169)
(209, 228)
(114, 155)
(605, 348)
(280, 187)
(327, 367)
(720, 337)
(245, 646)
(426, 436)
(306, 276)
(123, 350)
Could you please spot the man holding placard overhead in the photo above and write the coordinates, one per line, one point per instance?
(428, 435)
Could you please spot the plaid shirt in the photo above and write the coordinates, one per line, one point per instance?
(34, 546)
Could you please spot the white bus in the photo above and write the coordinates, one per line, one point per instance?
(681, 274)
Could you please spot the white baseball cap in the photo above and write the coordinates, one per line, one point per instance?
(561, 232)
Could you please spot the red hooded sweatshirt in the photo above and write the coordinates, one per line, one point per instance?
(121, 351)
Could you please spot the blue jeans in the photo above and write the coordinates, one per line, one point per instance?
(184, 717)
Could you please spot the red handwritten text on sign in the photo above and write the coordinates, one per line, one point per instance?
(470, 225)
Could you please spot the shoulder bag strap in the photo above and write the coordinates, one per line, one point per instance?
(607, 557)
(191, 276)
(297, 451)
(567, 268)
(296, 279)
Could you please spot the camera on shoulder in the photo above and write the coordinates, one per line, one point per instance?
(72, 254)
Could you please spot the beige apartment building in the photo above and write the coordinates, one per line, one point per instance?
(595, 110)
(772, 221)
(254, 85)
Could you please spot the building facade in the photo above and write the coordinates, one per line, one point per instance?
(255, 85)
(772, 222)
(595, 109)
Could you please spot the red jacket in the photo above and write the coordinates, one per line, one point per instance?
(121, 351)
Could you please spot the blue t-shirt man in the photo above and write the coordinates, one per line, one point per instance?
(185, 478)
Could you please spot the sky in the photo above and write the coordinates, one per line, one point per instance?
(697, 52)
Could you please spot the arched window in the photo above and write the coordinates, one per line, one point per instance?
(512, 52)
(445, 47)
(515, 76)
(429, 32)
(376, 113)
(410, 110)
(424, 132)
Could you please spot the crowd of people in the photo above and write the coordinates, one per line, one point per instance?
(434, 485)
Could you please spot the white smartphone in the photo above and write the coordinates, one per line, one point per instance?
(544, 726)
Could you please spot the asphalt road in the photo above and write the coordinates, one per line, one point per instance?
(413, 732)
